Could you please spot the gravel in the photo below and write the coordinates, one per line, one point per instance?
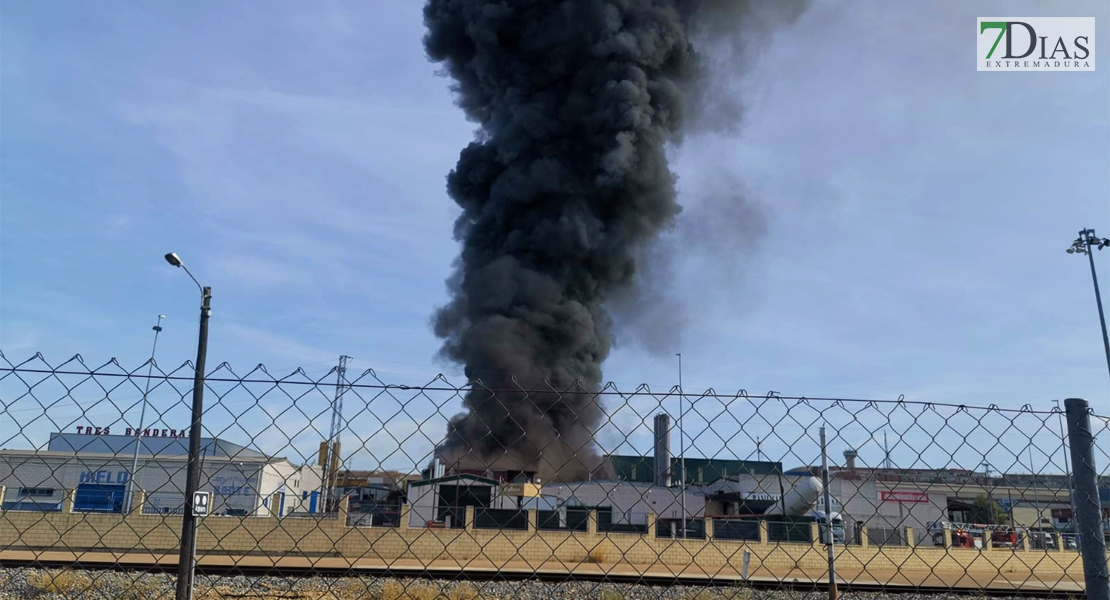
(25, 583)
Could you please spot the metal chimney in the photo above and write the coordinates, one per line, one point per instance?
(663, 449)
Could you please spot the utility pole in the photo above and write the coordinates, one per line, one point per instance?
(827, 529)
(681, 444)
(330, 449)
(1036, 498)
(1084, 244)
(142, 417)
(990, 497)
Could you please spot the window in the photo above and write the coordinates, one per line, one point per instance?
(36, 492)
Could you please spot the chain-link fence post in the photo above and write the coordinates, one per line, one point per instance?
(1086, 499)
(828, 525)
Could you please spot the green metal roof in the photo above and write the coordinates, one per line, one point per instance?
(700, 470)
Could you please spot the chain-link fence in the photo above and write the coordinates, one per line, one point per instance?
(345, 486)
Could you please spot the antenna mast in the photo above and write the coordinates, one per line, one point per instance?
(329, 451)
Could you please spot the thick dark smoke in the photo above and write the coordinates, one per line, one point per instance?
(563, 190)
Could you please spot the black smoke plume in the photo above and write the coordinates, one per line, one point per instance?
(564, 188)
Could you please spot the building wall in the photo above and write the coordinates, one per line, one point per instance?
(240, 486)
(752, 494)
(424, 499)
(631, 502)
(861, 501)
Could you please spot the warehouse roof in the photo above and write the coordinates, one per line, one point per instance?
(449, 478)
(108, 456)
(150, 446)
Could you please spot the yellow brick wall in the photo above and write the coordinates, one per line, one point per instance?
(306, 537)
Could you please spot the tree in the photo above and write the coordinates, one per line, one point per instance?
(985, 510)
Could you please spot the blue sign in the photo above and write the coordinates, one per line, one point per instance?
(113, 477)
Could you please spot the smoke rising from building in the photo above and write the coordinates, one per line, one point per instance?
(564, 188)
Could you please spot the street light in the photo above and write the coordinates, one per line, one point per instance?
(186, 561)
(142, 417)
(1084, 244)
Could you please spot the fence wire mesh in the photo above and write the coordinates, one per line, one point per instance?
(673, 495)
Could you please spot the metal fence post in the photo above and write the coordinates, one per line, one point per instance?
(833, 593)
(1087, 504)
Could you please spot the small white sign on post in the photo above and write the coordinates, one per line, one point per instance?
(201, 503)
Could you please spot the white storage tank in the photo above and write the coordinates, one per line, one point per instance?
(799, 500)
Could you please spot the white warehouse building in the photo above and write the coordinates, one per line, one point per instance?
(627, 502)
(99, 469)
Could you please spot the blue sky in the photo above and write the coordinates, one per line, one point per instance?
(917, 210)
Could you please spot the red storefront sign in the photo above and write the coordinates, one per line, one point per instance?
(905, 497)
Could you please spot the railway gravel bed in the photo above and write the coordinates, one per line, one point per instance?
(39, 584)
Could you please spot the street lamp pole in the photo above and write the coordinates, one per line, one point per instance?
(1084, 244)
(186, 561)
(142, 417)
(681, 444)
(1036, 497)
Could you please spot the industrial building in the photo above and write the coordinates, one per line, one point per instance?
(98, 466)
(623, 502)
(634, 487)
(442, 501)
(887, 500)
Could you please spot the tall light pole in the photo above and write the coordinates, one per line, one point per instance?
(681, 444)
(186, 561)
(990, 497)
(1036, 498)
(1085, 244)
(142, 417)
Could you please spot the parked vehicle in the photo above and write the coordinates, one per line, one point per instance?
(1005, 537)
(1042, 540)
(960, 539)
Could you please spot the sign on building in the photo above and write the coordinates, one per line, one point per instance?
(520, 490)
(905, 497)
(201, 502)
